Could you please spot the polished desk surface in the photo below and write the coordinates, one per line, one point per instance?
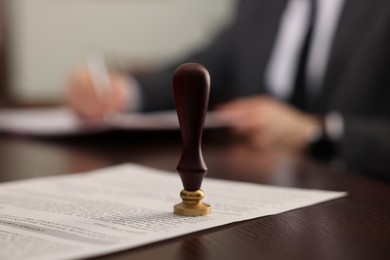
(354, 227)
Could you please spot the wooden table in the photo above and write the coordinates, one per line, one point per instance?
(354, 227)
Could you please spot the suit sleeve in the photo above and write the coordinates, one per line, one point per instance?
(365, 146)
(218, 58)
(156, 87)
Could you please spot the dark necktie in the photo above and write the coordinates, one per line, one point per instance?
(298, 97)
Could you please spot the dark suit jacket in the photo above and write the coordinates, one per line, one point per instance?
(356, 83)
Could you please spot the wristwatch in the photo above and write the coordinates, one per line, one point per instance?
(323, 140)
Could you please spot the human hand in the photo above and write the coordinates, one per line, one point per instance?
(269, 124)
(88, 101)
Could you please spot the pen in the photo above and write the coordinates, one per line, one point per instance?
(98, 72)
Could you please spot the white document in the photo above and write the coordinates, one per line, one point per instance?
(61, 121)
(45, 122)
(122, 207)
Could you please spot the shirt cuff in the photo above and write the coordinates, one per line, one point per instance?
(334, 126)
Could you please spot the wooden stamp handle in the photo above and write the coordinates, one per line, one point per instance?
(191, 88)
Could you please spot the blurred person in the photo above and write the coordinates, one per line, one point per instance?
(303, 76)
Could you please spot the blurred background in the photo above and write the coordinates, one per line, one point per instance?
(41, 41)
